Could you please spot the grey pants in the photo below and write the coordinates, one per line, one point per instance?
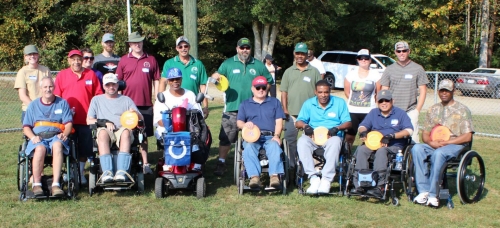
(306, 146)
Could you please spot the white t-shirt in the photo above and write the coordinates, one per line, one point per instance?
(172, 101)
(362, 95)
(319, 65)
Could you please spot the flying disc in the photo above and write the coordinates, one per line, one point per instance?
(373, 140)
(250, 135)
(439, 133)
(129, 119)
(320, 135)
(222, 84)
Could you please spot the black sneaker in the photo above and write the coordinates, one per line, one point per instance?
(376, 192)
(220, 169)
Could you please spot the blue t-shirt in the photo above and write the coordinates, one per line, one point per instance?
(263, 115)
(57, 112)
(334, 114)
(397, 121)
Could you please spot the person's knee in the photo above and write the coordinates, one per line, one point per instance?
(125, 136)
(103, 136)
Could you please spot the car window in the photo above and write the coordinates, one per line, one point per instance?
(330, 57)
(348, 59)
(485, 71)
(385, 60)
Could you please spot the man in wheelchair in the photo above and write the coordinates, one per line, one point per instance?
(47, 123)
(105, 111)
(267, 114)
(395, 126)
(457, 118)
(323, 110)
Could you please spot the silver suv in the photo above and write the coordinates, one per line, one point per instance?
(338, 63)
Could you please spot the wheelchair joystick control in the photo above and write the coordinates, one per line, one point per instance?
(399, 161)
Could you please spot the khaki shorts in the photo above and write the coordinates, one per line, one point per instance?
(115, 136)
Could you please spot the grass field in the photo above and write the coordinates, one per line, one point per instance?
(223, 207)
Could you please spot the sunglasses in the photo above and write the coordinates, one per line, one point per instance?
(383, 100)
(404, 51)
(174, 79)
(88, 57)
(245, 48)
(364, 58)
(183, 46)
(260, 88)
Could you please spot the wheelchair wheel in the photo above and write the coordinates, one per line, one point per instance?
(286, 166)
(241, 186)
(201, 188)
(160, 188)
(408, 177)
(75, 174)
(237, 160)
(92, 180)
(140, 181)
(471, 177)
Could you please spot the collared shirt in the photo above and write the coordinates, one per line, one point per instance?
(56, 112)
(300, 86)
(333, 115)
(194, 73)
(139, 74)
(264, 114)
(396, 121)
(28, 79)
(77, 91)
(456, 117)
(240, 78)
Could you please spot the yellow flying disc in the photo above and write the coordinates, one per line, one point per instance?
(129, 119)
(439, 133)
(250, 135)
(222, 84)
(373, 140)
(320, 135)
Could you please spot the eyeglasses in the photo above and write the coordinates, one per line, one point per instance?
(383, 100)
(260, 88)
(245, 48)
(183, 46)
(404, 51)
(174, 79)
(364, 58)
(88, 57)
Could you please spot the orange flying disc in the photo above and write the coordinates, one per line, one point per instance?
(373, 140)
(129, 119)
(440, 132)
(320, 135)
(250, 135)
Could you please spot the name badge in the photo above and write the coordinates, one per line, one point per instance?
(32, 77)
(88, 82)
(145, 70)
(332, 114)
(394, 122)
(369, 82)
(236, 71)
(307, 79)
(193, 77)
(58, 111)
(408, 76)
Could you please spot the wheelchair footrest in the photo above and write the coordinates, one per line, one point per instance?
(444, 194)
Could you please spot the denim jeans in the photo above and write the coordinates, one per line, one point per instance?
(427, 181)
(305, 148)
(251, 153)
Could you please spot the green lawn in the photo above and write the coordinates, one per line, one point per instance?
(223, 207)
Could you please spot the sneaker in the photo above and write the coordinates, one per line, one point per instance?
(38, 191)
(146, 169)
(107, 177)
(57, 191)
(421, 198)
(433, 201)
(275, 182)
(220, 169)
(315, 182)
(254, 182)
(83, 180)
(324, 186)
(119, 177)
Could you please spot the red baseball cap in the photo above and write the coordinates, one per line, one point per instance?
(259, 81)
(74, 52)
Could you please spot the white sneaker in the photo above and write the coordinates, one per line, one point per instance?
(433, 201)
(315, 182)
(324, 186)
(421, 198)
(107, 178)
(83, 180)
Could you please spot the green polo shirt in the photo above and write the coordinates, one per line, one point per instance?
(193, 73)
(300, 86)
(240, 78)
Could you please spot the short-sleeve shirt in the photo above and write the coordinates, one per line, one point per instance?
(57, 112)
(333, 115)
(106, 64)
(403, 82)
(139, 74)
(28, 79)
(77, 91)
(300, 86)
(456, 117)
(102, 107)
(240, 78)
(396, 121)
(194, 73)
(264, 114)
(316, 63)
(362, 95)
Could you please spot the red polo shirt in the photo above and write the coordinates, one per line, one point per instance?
(77, 91)
(139, 74)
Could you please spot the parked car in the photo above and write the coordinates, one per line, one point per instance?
(484, 81)
(338, 63)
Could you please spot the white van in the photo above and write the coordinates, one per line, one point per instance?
(338, 63)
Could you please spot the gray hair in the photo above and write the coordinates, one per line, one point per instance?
(47, 78)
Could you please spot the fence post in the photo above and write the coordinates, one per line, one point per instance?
(436, 76)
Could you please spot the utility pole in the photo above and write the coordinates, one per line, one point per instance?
(190, 17)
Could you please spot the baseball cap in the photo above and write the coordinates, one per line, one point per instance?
(74, 52)
(181, 39)
(384, 94)
(135, 37)
(268, 56)
(109, 78)
(29, 49)
(108, 37)
(244, 42)
(401, 44)
(446, 84)
(301, 47)
(174, 73)
(363, 52)
(259, 81)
